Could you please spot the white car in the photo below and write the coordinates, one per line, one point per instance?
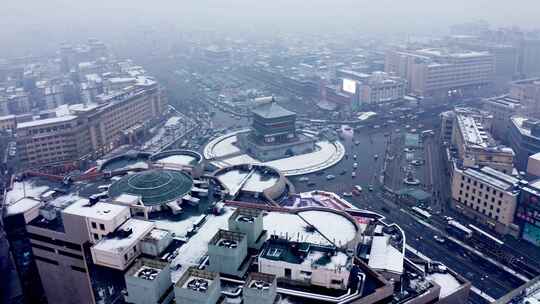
(347, 194)
(439, 239)
(358, 188)
(355, 165)
(330, 176)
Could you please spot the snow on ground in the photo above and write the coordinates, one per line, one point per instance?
(335, 227)
(137, 165)
(178, 159)
(27, 187)
(180, 227)
(172, 121)
(327, 154)
(447, 282)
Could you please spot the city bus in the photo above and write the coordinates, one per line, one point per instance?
(421, 213)
(427, 133)
(459, 230)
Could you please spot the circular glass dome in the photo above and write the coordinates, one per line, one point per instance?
(155, 187)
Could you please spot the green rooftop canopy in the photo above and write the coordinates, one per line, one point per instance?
(155, 187)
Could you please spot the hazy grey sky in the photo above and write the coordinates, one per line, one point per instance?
(23, 21)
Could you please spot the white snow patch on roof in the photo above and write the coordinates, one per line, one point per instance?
(384, 256)
(448, 283)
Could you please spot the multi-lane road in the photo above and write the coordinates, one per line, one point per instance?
(484, 276)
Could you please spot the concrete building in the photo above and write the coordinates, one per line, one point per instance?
(533, 165)
(524, 137)
(476, 147)
(8, 122)
(528, 212)
(90, 251)
(506, 54)
(260, 288)
(486, 195)
(372, 89)
(380, 88)
(502, 108)
(148, 282)
(529, 60)
(52, 140)
(227, 253)
(198, 287)
(88, 130)
(441, 72)
(249, 222)
(57, 236)
(118, 249)
(527, 91)
(305, 263)
(448, 118)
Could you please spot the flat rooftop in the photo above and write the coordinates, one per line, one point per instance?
(520, 123)
(139, 228)
(473, 132)
(492, 177)
(46, 121)
(307, 254)
(100, 210)
(504, 101)
(384, 256)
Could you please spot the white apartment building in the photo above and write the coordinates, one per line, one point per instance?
(434, 71)
(487, 196)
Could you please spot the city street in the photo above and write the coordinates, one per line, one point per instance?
(371, 147)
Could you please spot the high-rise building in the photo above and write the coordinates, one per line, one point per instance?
(439, 71)
(88, 130)
(529, 60)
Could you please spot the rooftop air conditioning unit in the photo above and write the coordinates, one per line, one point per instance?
(228, 244)
(200, 285)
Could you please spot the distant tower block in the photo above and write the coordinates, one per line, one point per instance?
(260, 288)
(198, 287)
(250, 222)
(228, 254)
